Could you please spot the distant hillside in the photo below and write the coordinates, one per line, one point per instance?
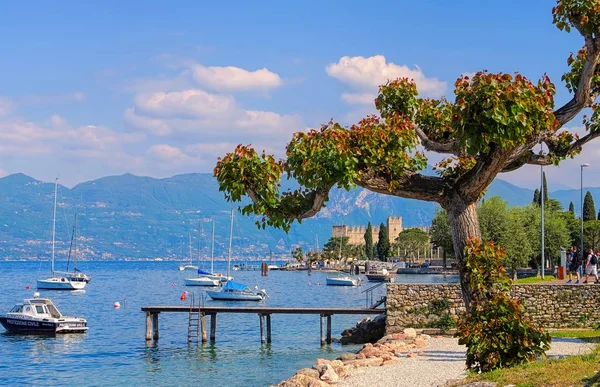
(130, 216)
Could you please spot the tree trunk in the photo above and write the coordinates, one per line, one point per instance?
(444, 259)
(464, 224)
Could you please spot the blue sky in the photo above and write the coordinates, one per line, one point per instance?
(159, 88)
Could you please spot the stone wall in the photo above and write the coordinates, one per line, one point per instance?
(431, 305)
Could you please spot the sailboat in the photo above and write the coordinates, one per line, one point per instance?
(235, 291)
(76, 274)
(190, 265)
(212, 275)
(56, 282)
(205, 278)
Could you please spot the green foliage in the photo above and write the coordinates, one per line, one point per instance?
(496, 331)
(336, 248)
(536, 197)
(589, 210)
(501, 110)
(369, 241)
(572, 209)
(440, 233)
(544, 187)
(412, 240)
(591, 235)
(556, 232)
(383, 244)
(439, 305)
(298, 255)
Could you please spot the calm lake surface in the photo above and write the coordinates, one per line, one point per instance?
(114, 351)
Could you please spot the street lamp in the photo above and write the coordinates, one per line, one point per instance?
(542, 223)
(582, 166)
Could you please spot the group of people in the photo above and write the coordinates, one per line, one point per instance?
(578, 264)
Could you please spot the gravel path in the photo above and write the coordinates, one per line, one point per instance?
(441, 361)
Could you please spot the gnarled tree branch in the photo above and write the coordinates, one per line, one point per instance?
(413, 186)
(434, 146)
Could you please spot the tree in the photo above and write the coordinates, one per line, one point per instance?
(298, 255)
(589, 210)
(369, 241)
(517, 244)
(383, 244)
(545, 187)
(572, 209)
(591, 234)
(336, 248)
(536, 197)
(493, 220)
(598, 216)
(411, 241)
(493, 124)
(440, 234)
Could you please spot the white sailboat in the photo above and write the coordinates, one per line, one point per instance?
(76, 275)
(204, 278)
(234, 291)
(190, 265)
(212, 275)
(57, 282)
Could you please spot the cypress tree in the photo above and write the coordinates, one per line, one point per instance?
(545, 188)
(536, 197)
(383, 245)
(598, 215)
(572, 209)
(369, 241)
(589, 210)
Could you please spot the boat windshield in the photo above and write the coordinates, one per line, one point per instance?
(17, 309)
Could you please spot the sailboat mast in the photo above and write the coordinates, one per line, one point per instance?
(200, 235)
(230, 241)
(75, 237)
(190, 248)
(212, 253)
(54, 223)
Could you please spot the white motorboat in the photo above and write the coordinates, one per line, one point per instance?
(40, 316)
(202, 281)
(342, 280)
(56, 281)
(234, 291)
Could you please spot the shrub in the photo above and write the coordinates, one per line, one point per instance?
(496, 331)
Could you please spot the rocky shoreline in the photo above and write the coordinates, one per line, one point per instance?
(387, 350)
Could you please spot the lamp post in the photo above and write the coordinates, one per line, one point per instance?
(582, 166)
(542, 205)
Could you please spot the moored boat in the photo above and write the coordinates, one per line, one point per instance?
(234, 291)
(40, 316)
(380, 276)
(202, 281)
(342, 280)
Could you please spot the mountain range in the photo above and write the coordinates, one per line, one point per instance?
(133, 217)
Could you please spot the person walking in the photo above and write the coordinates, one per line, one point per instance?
(573, 265)
(590, 266)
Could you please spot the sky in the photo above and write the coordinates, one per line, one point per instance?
(154, 88)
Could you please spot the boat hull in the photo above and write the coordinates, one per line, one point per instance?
(223, 296)
(33, 327)
(60, 284)
(202, 281)
(380, 277)
(342, 281)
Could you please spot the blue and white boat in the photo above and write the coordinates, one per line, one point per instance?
(235, 291)
(342, 280)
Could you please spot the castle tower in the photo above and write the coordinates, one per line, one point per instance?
(394, 225)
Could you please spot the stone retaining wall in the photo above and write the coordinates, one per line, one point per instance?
(436, 305)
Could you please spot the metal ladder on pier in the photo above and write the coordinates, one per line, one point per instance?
(194, 320)
(369, 296)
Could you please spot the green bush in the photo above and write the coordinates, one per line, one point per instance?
(446, 322)
(496, 331)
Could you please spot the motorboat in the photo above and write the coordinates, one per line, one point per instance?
(380, 276)
(61, 280)
(342, 280)
(40, 316)
(202, 281)
(234, 291)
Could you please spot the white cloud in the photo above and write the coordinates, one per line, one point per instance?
(358, 98)
(229, 78)
(186, 103)
(168, 153)
(6, 106)
(367, 74)
(152, 125)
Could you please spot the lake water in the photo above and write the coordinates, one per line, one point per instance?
(114, 351)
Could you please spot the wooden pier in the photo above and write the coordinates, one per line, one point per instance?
(264, 315)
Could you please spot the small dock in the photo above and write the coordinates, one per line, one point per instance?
(264, 315)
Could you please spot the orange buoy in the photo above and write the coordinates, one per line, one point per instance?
(183, 296)
(27, 287)
(117, 305)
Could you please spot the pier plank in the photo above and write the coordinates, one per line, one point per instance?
(261, 310)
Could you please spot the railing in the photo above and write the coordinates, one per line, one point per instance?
(369, 295)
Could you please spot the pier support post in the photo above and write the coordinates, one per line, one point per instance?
(261, 318)
(322, 331)
(269, 328)
(148, 326)
(203, 322)
(213, 327)
(155, 326)
(328, 329)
